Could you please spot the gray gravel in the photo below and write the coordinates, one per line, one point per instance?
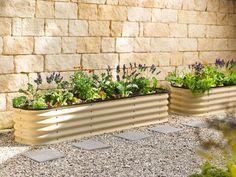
(165, 155)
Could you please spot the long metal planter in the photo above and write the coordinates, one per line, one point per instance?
(49, 126)
(217, 100)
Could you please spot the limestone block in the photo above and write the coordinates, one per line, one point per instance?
(227, 6)
(196, 30)
(17, 26)
(6, 120)
(190, 58)
(153, 3)
(164, 15)
(156, 30)
(164, 44)
(173, 4)
(232, 44)
(200, 5)
(54, 27)
(164, 71)
(232, 19)
(93, 1)
(29, 63)
(164, 59)
(222, 19)
(187, 44)
(191, 17)
(139, 14)
(124, 44)
(1, 45)
(99, 28)
(17, 8)
(205, 44)
(18, 45)
(78, 28)
(139, 58)
(45, 9)
(220, 44)
(69, 44)
(213, 5)
(176, 59)
(5, 26)
(47, 45)
(216, 31)
(208, 18)
(99, 61)
(112, 2)
(129, 2)
(108, 44)
(3, 102)
(6, 64)
(130, 29)
(66, 10)
(63, 62)
(109, 12)
(142, 45)
(88, 11)
(116, 28)
(88, 44)
(32, 27)
(229, 31)
(178, 30)
(212, 55)
(13, 82)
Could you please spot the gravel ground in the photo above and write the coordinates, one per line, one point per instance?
(165, 155)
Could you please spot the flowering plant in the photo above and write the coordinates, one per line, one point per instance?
(203, 77)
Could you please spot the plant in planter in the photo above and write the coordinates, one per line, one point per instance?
(206, 86)
(89, 104)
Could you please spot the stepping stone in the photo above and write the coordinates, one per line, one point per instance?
(196, 124)
(91, 145)
(132, 136)
(44, 155)
(165, 129)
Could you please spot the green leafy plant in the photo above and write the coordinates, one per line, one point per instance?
(227, 150)
(207, 170)
(19, 101)
(202, 78)
(84, 86)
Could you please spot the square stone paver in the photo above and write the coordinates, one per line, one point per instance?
(44, 155)
(196, 124)
(91, 145)
(165, 129)
(132, 136)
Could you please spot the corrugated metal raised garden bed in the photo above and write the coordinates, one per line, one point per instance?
(54, 125)
(217, 100)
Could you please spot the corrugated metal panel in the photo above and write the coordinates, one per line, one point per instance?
(49, 126)
(217, 100)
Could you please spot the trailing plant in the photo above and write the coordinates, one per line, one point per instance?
(203, 77)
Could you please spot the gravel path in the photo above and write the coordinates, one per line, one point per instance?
(165, 155)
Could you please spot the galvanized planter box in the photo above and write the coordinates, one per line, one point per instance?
(34, 127)
(217, 100)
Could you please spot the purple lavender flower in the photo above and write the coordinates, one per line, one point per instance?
(197, 66)
(219, 62)
(38, 80)
(50, 78)
(118, 77)
(118, 69)
(58, 78)
(124, 71)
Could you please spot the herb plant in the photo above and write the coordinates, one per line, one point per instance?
(86, 86)
(203, 77)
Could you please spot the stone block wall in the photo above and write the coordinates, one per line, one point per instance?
(57, 35)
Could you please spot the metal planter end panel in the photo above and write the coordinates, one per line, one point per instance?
(217, 100)
(54, 125)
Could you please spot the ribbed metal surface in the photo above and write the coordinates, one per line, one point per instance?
(49, 126)
(222, 99)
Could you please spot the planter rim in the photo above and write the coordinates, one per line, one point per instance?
(210, 88)
(162, 92)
